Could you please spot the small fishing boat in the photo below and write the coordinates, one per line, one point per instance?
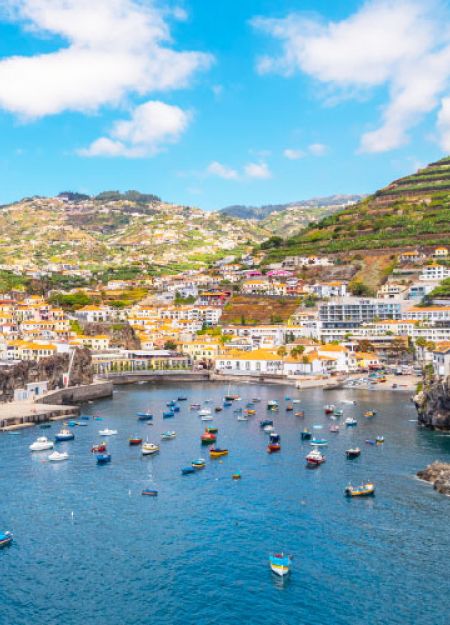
(350, 422)
(353, 453)
(249, 404)
(58, 457)
(227, 403)
(64, 435)
(182, 398)
(6, 538)
(315, 457)
(296, 401)
(349, 401)
(85, 417)
(100, 448)
(216, 452)
(168, 414)
(289, 408)
(200, 463)
(256, 399)
(338, 412)
(272, 403)
(218, 409)
(81, 424)
(364, 490)
(171, 403)
(273, 447)
(242, 417)
(334, 428)
(206, 417)
(250, 412)
(229, 397)
(370, 441)
(187, 470)
(176, 408)
(318, 426)
(134, 441)
(268, 428)
(369, 413)
(98, 418)
(274, 437)
(207, 438)
(204, 412)
(195, 406)
(41, 444)
(148, 449)
(306, 435)
(319, 442)
(103, 458)
(329, 408)
(300, 413)
(265, 422)
(212, 429)
(287, 398)
(168, 436)
(149, 492)
(144, 416)
(280, 564)
(45, 426)
(107, 432)
(379, 440)
(236, 476)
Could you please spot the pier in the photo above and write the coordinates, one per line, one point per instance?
(23, 414)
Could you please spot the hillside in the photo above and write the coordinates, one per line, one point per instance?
(258, 309)
(411, 211)
(114, 229)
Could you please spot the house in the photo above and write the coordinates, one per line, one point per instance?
(441, 359)
(391, 290)
(257, 362)
(435, 272)
(367, 360)
(413, 256)
(97, 343)
(327, 289)
(440, 252)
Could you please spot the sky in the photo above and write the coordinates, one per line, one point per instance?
(220, 102)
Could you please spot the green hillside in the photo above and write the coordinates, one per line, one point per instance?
(411, 211)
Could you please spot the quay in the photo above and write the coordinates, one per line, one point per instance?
(22, 414)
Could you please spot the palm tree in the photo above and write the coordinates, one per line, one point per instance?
(297, 351)
(282, 351)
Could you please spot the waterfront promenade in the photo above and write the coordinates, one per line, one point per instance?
(22, 414)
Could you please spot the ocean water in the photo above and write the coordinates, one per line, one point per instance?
(90, 549)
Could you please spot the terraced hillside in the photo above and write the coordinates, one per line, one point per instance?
(411, 211)
(258, 309)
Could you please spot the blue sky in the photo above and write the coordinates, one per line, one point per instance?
(223, 102)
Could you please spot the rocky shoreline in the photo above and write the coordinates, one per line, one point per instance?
(433, 404)
(438, 474)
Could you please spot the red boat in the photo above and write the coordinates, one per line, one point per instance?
(208, 437)
(135, 441)
(272, 447)
(315, 457)
(99, 448)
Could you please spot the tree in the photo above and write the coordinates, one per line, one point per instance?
(359, 289)
(170, 345)
(365, 346)
(297, 351)
(282, 351)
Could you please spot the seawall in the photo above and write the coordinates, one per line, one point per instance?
(77, 394)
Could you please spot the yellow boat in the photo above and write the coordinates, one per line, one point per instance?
(363, 490)
(217, 453)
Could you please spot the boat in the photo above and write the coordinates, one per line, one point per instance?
(144, 416)
(187, 470)
(338, 412)
(103, 458)
(300, 413)
(236, 476)
(212, 429)
(274, 437)
(207, 438)
(370, 441)
(329, 408)
(272, 403)
(216, 452)
(306, 435)
(315, 457)
(242, 417)
(200, 463)
(273, 447)
(148, 449)
(41, 444)
(250, 411)
(58, 457)
(289, 408)
(182, 398)
(204, 412)
(207, 417)
(265, 422)
(100, 448)
(6, 538)
(168, 436)
(168, 414)
(350, 422)
(334, 428)
(318, 427)
(319, 442)
(379, 440)
(227, 403)
(176, 408)
(134, 441)
(107, 432)
(364, 490)
(171, 403)
(149, 492)
(287, 398)
(268, 428)
(349, 401)
(369, 413)
(296, 401)
(353, 453)
(81, 424)
(256, 399)
(64, 435)
(195, 406)
(249, 404)
(45, 426)
(218, 409)
(85, 417)
(280, 564)
(72, 424)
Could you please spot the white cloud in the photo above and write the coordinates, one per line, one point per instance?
(403, 45)
(293, 155)
(257, 170)
(318, 149)
(223, 171)
(113, 49)
(151, 125)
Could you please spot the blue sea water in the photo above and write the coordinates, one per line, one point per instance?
(90, 549)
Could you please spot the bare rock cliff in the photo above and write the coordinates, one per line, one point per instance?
(433, 404)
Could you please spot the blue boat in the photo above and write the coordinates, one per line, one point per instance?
(319, 442)
(176, 409)
(149, 492)
(306, 435)
(171, 403)
(103, 458)
(6, 538)
(280, 564)
(250, 404)
(72, 424)
(82, 424)
(168, 414)
(265, 422)
(85, 417)
(182, 398)
(144, 416)
(64, 435)
(187, 470)
(227, 403)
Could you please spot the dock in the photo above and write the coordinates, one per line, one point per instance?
(22, 414)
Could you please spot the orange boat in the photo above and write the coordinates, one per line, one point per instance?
(208, 437)
(273, 447)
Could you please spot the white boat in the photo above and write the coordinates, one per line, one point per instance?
(149, 448)
(296, 401)
(204, 412)
(350, 421)
(107, 432)
(242, 417)
(167, 436)
(56, 456)
(41, 444)
(268, 429)
(206, 417)
(315, 457)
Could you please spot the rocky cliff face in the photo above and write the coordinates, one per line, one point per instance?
(122, 334)
(438, 474)
(433, 404)
(50, 369)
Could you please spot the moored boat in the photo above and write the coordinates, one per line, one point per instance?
(207, 438)
(329, 408)
(195, 406)
(41, 444)
(64, 435)
(289, 408)
(168, 414)
(268, 428)
(216, 452)
(319, 442)
(148, 449)
(379, 440)
(370, 413)
(134, 440)
(273, 447)
(250, 411)
(280, 564)
(242, 417)
(100, 448)
(169, 435)
(212, 429)
(149, 492)
(6, 538)
(204, 412)
(56, 456)
(315, 457)
(236, 476)
(200, 463)
(227, 403)
(350, 422)
(299, 413)
(265, 422)
(144, 416)
(338, 412)
(218, 409)
(187, 470)
(334, 428)
(363, 490)
(107, 432)
(45, 426)
(353, 453)
(306, 435)
(206, 417)
(182, 398)
(103, 458)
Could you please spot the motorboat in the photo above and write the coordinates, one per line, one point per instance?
(296, 401)
(207, 438)
(250, 412)
(64, 435)
(265, 422)
(350, 422)
(169, 435)
(353, 453)
(149, 492)
(107, 432)
(236, 476)
(334, 428)
(195, 406)
(319, 442)
(338, 412)
(273, 447)
(187, 470)
(206, 417)
(148, 449)
(212, 429)
(370, 413)
(218, 409)
(306, 435)
(81, 424)
(268, 428)
(100, 448)
(329, 408)
(272, 403)
(204, 412)
(299, 413)
(134, 440)
(45, 426)
(315, 457)
(198, 464)
(182, 398)
(103, 458)
(289, 408)
(168, 414)
(242, 417)
(280, 564)
(176, 408)
(216, 452)
(379, 440)
(287, 398)
(171, 403)
(227, 403)
(41, 444)
(56, 456)
(274, 437)
(144, 416)
(364, 490)
(6, 538)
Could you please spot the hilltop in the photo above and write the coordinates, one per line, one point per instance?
(411, 211)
